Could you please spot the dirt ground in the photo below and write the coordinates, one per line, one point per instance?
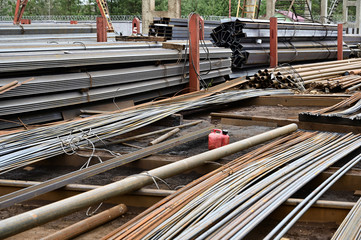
(42, 173)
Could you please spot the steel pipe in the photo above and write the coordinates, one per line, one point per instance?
(88, 223)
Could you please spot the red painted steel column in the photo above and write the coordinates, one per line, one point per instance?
(273, 42)
(19, 10)
(194, 53)
(135, 26)
(101, 30)
(339, 41)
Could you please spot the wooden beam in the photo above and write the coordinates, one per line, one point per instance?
(297, 100)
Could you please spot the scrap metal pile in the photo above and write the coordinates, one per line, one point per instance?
(234, 199)
(331, 76)
(177, 28)
(249, 41)
(347, 111)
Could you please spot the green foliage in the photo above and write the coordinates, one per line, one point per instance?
(7, 7)
(134, 7)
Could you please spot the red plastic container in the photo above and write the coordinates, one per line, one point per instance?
(225, 138)
(215, 139)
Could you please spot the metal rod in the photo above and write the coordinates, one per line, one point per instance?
(88, 223)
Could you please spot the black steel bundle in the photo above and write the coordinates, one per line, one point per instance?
(249, 41)
(177, 28)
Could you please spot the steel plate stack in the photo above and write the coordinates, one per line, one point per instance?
(298, 42)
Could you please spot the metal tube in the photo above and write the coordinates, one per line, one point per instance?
(36, 217)
(164, 136)
(88, 223)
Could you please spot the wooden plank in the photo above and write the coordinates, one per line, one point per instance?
(176, 46)
(242, 122)
(297, 100)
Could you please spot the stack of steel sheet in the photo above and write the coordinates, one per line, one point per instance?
(249, 41)
(28, 61)
(49, 32)
(31, 29)
(177, 28)
(234, 199)
(7, 49)
(55, 38)
(93, 79)
(41, 90)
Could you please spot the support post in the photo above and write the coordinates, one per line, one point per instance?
(19, 10)
(324, 8)
(194, 69)
(135, 26)
(273, 42)
(270, 8)
(229, 8)
(101, 30)
(339, 41)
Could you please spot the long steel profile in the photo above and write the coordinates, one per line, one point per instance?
(84, 58)
(91, 79)
(34, 103)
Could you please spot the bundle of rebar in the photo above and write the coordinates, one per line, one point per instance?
(231, 201)
(23, 148)
(336, 84)
(350, 228)
(309, 76)
(346, 109)
(177, 28)
(249, 41)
